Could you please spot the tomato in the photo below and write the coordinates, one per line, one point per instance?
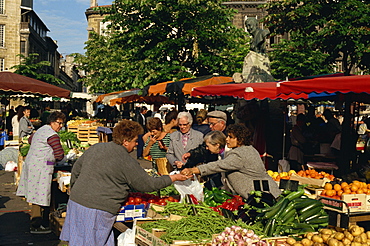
(163, 203)
(175, 200)
(171, 199)
(131, 199)
(138, 200)
(160, 200)
(151, 200)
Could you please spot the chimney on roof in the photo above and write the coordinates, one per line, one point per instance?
(93, 3)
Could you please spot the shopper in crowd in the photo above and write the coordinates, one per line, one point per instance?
(296, 151)
(242, 164)
(98, 191)
(25, 125)
(201, 123)
(183, 140)
(15, 121)
(141, 119)
(333, 126)
(200, 154)
(8, 120)
(170, 121)
(38, 168)
(217, 122)
(156, 141)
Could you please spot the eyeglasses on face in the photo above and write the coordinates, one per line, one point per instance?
(213, 123)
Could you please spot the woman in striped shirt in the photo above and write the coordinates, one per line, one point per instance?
(156, 141)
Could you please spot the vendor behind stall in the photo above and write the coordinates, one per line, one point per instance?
(100, 183)
(38, 168)
(242, 164)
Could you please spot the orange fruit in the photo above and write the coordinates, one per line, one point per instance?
(331, 193)
(337, 187)
(336, 197)
(328, 186)
(344, 184)
(360, 191)
(323, 193)
(347, 191)
(354, 187)
(340, 192)
(365, 190)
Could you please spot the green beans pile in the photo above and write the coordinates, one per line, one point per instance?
(185, 209)
(195, 228)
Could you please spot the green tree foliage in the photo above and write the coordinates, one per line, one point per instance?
(152, 41)
(338, 28)
(288, 59)
(31, 68)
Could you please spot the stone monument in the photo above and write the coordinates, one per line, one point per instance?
(256, 67)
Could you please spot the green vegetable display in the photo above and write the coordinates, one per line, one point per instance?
(195, 228)
(216, 196)
(294, 213)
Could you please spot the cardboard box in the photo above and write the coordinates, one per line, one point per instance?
(367, 202)
(311, 181)
(356, 203)
(131, 212)
(148, 238)
(152, 238)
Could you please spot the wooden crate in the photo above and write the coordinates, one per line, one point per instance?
(73, 129)
(93, 136)
(56, 224)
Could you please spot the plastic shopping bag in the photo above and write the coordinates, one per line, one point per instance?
(126, 238)
(189, 186)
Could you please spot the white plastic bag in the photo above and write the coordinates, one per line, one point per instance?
(189, 186)
(11, 166)
(126, 238)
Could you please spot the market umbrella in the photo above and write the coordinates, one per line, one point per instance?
(185, 85)
(141, 99)
(12, 83)
(100, 98)
(247, 91)
(343, 84)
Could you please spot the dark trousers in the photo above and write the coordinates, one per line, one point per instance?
(140, 146)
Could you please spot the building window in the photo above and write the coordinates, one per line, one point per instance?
(2, 35)
(1, 64)
(2, 7)
(23, 47)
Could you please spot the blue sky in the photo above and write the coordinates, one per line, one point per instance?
(66, 21)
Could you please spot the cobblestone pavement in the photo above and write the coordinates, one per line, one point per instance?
(15, 217)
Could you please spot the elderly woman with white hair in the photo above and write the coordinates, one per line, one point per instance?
(183, 140)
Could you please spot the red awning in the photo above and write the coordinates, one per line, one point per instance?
(15, 83)
(247, 91)
(343, 84)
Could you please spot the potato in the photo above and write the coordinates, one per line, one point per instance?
(348, 235)
(325, 237)
(317, 239)
(291, 241)
(363, 237)
(339, 236)
(326, 231)
(309, 235)
(356, 244)
(333, 242)
(340, 243)
(306, 242)
(357, 239)
(355, 231)
(368, 234)
(346, 241)
(297, 244)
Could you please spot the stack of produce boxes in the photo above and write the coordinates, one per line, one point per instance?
(356, 195)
